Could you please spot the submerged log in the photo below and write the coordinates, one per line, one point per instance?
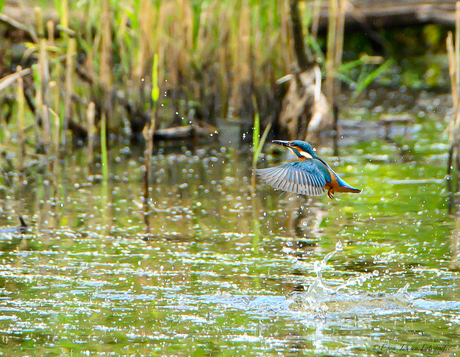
(183, 132)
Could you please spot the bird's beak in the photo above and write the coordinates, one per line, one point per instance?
(282, 142)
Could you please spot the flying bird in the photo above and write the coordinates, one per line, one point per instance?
(309, 176)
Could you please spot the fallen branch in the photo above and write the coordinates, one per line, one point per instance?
(12, 78)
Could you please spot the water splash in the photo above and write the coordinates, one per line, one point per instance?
(319, 284)
(321, 298)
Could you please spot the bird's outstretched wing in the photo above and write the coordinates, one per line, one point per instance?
(302, 177)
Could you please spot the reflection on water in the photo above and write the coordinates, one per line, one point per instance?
(224, 272)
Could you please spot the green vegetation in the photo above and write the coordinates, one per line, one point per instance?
(213, 57)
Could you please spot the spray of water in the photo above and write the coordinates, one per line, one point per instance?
(319, 284)
(319, 297)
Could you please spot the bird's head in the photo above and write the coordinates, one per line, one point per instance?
(302, 149)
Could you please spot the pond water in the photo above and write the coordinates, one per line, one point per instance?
(225, 273)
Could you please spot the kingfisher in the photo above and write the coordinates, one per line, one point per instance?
(309, 176)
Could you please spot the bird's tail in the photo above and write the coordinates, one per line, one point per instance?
(344, 187)
(349, 189)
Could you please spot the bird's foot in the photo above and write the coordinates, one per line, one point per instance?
(330, 193)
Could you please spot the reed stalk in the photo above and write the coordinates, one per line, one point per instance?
(91, 48)
(106, 48)
(451, 54)
(331, 50)
(57, 136)
(144, 50)
(104, 158)
(39, 18)
(336, 86)
(38, 105)
(56, 91)
(105, 73)
(64, 12)
(21, 110)
(104, 163)
(50, 29)
(68, 89)
(90, 115)
(255, 131)
(55, 162)
(44, 82)
(145, 38)
(339, 44)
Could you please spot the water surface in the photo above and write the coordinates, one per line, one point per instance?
(225, 273)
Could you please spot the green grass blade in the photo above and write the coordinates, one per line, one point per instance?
(255, 130)
(350, 65)
(258, 151)
(345, 79)
(155, 88)
(316, 48)
(363, 84)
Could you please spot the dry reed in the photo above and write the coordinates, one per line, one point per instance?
(43, 111)
(218, 53)
(90, 114)
(337, 9)
(21, 111)
(50, 29)
(68, 89)
(55, 162)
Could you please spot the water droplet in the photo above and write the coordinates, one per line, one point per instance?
(317, 266)
(339, 246)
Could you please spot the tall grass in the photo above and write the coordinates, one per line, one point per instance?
(69, 86)
(212, 50)
(216, 53)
